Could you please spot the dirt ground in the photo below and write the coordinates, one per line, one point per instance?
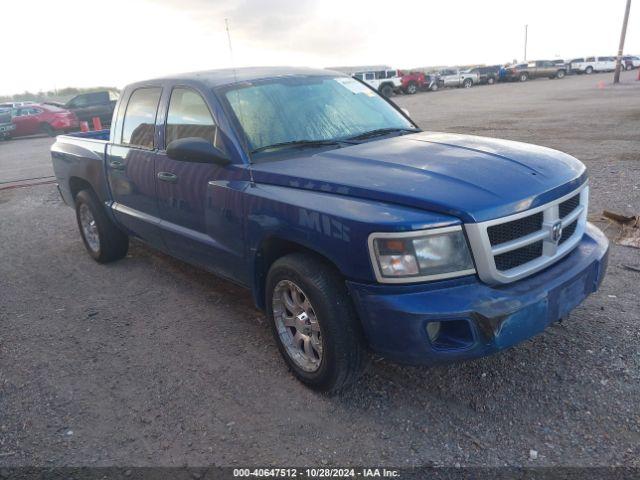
(149, 361)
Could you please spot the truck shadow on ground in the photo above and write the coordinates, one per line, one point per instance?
(535, 376)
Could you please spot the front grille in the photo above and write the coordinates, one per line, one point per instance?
(522, 227)
(569, 205)
(520, 256)
(568, 231)
(510, 248)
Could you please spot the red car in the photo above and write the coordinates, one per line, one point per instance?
(49, 119)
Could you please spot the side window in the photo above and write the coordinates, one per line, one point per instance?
(591, 59)
(80, 101)
(189, 116)
(140, 117)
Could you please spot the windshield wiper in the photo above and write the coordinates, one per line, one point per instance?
(298, 143)
(382, 131)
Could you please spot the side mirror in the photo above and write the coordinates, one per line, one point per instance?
(196, 150)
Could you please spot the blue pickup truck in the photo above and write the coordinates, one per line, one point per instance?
(355, 230)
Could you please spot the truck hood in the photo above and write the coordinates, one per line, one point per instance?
(472, 178)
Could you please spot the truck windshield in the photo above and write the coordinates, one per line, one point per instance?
(310, 111)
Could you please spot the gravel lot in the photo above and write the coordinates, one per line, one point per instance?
(150, 361)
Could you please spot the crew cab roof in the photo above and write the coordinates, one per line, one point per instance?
(228, 76)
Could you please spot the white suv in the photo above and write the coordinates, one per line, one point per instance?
(387, 82)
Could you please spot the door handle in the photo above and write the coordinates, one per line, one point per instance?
(116, 165)
(167, 177)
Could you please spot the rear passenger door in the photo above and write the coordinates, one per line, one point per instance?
(201, 215)
(131, 165)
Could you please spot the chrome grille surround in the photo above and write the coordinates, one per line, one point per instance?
(553, 249)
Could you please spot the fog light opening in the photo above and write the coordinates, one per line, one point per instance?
(450, 334)
(433, 330)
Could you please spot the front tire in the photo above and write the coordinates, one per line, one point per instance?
(386, 91)
(47, 129)
(104, 241)
(524, 76)
(468, 83)
(589, 70)
(412, 88)
(314, 322)
(560, 74)
(491, 81)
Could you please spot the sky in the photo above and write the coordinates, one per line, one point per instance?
(82, 43)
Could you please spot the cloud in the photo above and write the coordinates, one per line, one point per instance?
(276, 24)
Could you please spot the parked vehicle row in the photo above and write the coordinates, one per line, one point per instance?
(28, 118)
(33, 118)
(411, 82)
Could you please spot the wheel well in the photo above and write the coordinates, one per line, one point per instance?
(271, 250)
(77, 184)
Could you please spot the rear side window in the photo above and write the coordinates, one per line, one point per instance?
(140, 117)
(189, 116)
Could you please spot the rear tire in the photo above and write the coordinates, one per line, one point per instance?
(560, 74)
(491, 81)
(468, 83)
(412, 88)
(104, 241)
(301, 288)
(435, 87)
(523, 77)
(589, 70)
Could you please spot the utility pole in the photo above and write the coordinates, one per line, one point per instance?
(526, 34)
(623, 34)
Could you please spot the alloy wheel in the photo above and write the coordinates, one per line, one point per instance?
(297, 325)
(89, 228)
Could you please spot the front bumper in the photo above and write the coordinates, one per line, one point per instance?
(478, 319)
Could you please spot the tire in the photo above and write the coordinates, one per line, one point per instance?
(491, 80)
(467, 83)
(523, 77)
(435, 87)
(628, 67)
(48, 129)
(386, 90)
(588, 70)
(342, 354)
(104, 241)
(560, 74)
(412, 88)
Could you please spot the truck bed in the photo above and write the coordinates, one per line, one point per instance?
(80, 157)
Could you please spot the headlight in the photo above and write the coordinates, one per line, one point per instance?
(406, 257)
